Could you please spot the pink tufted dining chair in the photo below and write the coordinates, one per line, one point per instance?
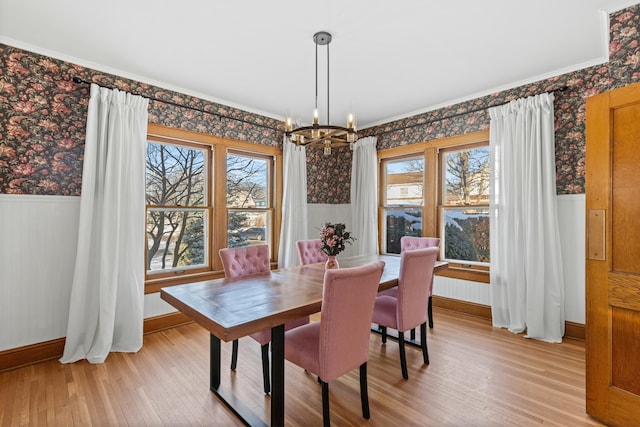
(244, 261)
(409, 243)
(309, 251)
(338, 343)
(409, 309)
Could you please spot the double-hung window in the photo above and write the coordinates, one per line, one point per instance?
(403, 200)
(249, 199)
(178, 207)
(464, 207)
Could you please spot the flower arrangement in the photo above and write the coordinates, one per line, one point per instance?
(333, 237)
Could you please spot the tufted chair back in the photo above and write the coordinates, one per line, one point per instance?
(309, 251)
(243, 261)
(409, 243)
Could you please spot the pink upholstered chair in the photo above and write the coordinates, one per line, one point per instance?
(409, 309)
(338, 343)
(409, 243)
(309, 251)
(238, 262)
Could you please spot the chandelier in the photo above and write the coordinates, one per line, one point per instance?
(327, 135)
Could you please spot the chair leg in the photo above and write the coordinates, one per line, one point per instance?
(325, 404)
(403, 357)
(412, 334)
(265, 368)
(423, 343)
(383, 330)
(364, 393)
(430, 313)
(234, 355)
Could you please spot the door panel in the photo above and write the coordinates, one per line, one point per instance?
(613, 274)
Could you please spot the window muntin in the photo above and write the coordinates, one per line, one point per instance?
(178, 220)
(464, 233)
(249, 202)
(403, 198)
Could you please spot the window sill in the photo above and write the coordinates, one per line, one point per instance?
(471, 274)
(154, 285)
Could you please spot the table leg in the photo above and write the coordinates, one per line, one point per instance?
(225, 393)
(277, 375)
(214, 362)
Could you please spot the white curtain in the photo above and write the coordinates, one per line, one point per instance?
(294, 202)
(364, 196)
(527, 287)
(106, 306)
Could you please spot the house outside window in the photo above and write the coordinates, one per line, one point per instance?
(403, 200)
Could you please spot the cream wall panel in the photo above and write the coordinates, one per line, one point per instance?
(571, 218)
(37, 254)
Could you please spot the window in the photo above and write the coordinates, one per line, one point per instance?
(402, 200)
(248, 199)
(178, 207)
(204, 193)
(465, 205)
(439, 188)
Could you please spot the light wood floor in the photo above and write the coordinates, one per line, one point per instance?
(478, 376)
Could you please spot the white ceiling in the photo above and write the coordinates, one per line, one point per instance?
(388, 59)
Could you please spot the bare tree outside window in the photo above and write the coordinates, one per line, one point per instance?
(467, 177)
(176, 180)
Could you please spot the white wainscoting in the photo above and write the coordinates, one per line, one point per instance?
(38, 240)
(571, 218)
(38, 237)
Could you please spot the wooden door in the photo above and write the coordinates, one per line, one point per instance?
(613, 256)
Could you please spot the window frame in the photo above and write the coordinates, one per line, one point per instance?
(269, 209)
(216, 187)
(432, 189)
(443, 206)
(383, 197)
(207, 207)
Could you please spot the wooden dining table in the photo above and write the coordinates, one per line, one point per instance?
(231, 308)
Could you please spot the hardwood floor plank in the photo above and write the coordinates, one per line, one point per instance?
(478, 376)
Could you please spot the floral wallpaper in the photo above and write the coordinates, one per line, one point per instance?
(329, 177)
(43, 118)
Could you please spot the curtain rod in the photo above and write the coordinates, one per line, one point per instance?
(222, 116)
(560, 89)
